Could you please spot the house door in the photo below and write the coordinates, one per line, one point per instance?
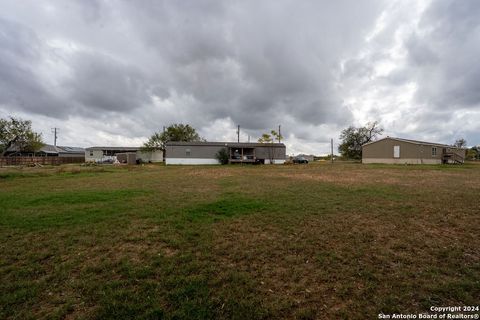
(396, 151)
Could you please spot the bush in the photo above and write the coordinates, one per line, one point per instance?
(222, 156)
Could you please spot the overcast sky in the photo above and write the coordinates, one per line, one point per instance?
(113, 72)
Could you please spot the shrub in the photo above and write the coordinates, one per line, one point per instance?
(222, 156)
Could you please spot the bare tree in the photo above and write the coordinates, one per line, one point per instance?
(460, 143)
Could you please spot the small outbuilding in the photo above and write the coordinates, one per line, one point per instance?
(109, 154)
(238, 152)
(403, 151)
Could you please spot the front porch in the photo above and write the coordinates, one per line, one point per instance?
(242, 155)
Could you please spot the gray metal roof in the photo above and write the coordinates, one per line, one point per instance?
(66, 149)
(411, 141)
(48, 148)
(51, 149)
(224, 144)
(114, 148)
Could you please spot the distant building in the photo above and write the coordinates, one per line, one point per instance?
(404, 151)
(71, 152)
(105, 154)
(243, 152)
(47, 150)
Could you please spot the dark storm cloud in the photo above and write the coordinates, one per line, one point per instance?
(252, 62)
(306, 65)
(444, 55)
(20, 85)
(104, 84)
(255, 66)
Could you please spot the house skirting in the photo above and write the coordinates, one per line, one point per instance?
(190, 161)
(402, 161)
(203, 161)
(275, 161)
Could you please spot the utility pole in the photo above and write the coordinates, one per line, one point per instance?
(331, 154)
(279, 134)
(238, 133)
(54, 131)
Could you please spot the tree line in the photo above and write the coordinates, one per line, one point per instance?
(19, 133)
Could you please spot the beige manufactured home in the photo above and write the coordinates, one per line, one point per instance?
(238, 152)
(404, 151)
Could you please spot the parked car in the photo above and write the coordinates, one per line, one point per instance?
(300, 160)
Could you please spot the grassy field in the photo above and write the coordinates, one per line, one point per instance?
(347, 241)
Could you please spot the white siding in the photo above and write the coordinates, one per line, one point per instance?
(154, 156)
(93, 156)
(275, 161)
(190, 161)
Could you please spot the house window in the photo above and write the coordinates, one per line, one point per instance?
(434, 151)
(91, 153)
(187, 152)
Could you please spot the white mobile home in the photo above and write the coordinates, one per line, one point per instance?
(101, 154)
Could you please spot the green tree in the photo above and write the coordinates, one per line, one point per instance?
(472, 154)
(174, 132)
(476, 149)
(34, 142)
(17, 132)
(270, 139)
(353, 138)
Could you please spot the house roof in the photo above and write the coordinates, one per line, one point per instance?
(224, 144)
(65, 149)
(50, 149)
(411, 141)
(114, 148)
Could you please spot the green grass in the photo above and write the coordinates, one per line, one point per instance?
(237, 242)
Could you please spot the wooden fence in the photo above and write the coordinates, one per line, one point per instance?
(29, 161)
